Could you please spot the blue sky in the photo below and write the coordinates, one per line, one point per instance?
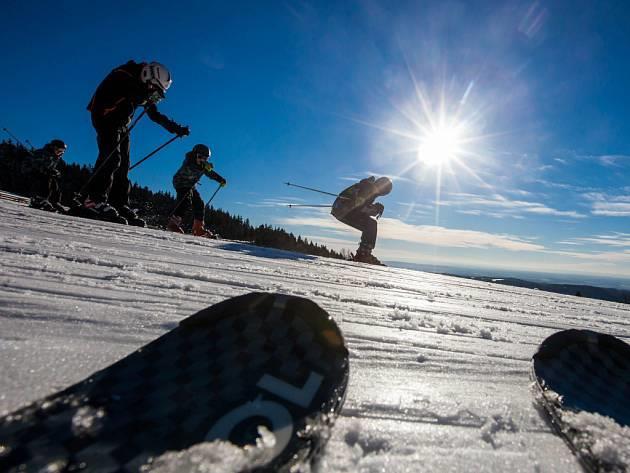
(525, 102)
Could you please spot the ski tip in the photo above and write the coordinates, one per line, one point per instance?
(559, 341)
(283, 305)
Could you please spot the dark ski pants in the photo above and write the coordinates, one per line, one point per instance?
(365, 223)
(45, 186)
(188, 197)
(110, 183)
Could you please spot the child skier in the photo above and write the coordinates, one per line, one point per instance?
(41, 169)
(185, 179)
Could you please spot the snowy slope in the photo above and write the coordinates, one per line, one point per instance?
(439, 365)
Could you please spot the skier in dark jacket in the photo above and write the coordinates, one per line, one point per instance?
(41, 168)
(112, 107)
(355, 206)
(195, 165)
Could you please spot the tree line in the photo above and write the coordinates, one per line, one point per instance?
(156, 207)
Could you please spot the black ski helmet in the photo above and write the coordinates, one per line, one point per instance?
(384, 185)
(57, 143)
(202, 150)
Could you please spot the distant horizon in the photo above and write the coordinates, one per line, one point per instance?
(533, 276)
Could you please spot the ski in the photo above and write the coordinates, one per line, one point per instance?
(230, 371)
(582, 381)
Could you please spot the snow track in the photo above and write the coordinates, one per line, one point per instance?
(439, 365)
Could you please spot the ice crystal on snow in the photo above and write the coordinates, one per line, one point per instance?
(606, 440)
(216, 456)
(87, 421)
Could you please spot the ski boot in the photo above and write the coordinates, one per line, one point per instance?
(41, 203)
(131, 216)
(200, 231)
(174, 224)
(364, 255)
(375, 261)
(101, 211)
(76, 207)
(59, 208)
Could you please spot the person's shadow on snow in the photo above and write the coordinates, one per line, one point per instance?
(264, 252)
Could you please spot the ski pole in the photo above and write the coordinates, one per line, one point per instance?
(15, 138)
(79, 194)
(307, 205)
(215, 193)
(314, 190)
(154, 151)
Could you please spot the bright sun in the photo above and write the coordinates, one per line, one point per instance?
(439, 146)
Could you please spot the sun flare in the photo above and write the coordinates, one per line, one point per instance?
(439, 146)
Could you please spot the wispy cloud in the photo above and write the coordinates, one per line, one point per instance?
(274, 202)
(520, 192)
(533, 22)
(416, 205)
(609, 205)
(613, 160)
(362, 175)
(561, 185)
(618, 160)
(454, 238)
(491, 214)
(609, 257)
(501, 204)
(611, 209)
(393, 229)
(616, 239)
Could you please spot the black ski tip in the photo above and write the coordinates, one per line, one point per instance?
(253, 302)
(263, 302)
(559, 341)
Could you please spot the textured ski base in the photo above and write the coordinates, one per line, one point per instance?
(581, 371)
(259, 359)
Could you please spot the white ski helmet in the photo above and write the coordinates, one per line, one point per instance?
(156, 74)
(384, 185)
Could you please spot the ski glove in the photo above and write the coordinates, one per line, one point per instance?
(208, 167)
(182, 130)
(376, 209)
(222, 182)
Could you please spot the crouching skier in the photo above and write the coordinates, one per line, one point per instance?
(185, 179)
(355, 206)
(112, 107)
(43, 176)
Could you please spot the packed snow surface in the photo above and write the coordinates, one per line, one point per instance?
(439, 375)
